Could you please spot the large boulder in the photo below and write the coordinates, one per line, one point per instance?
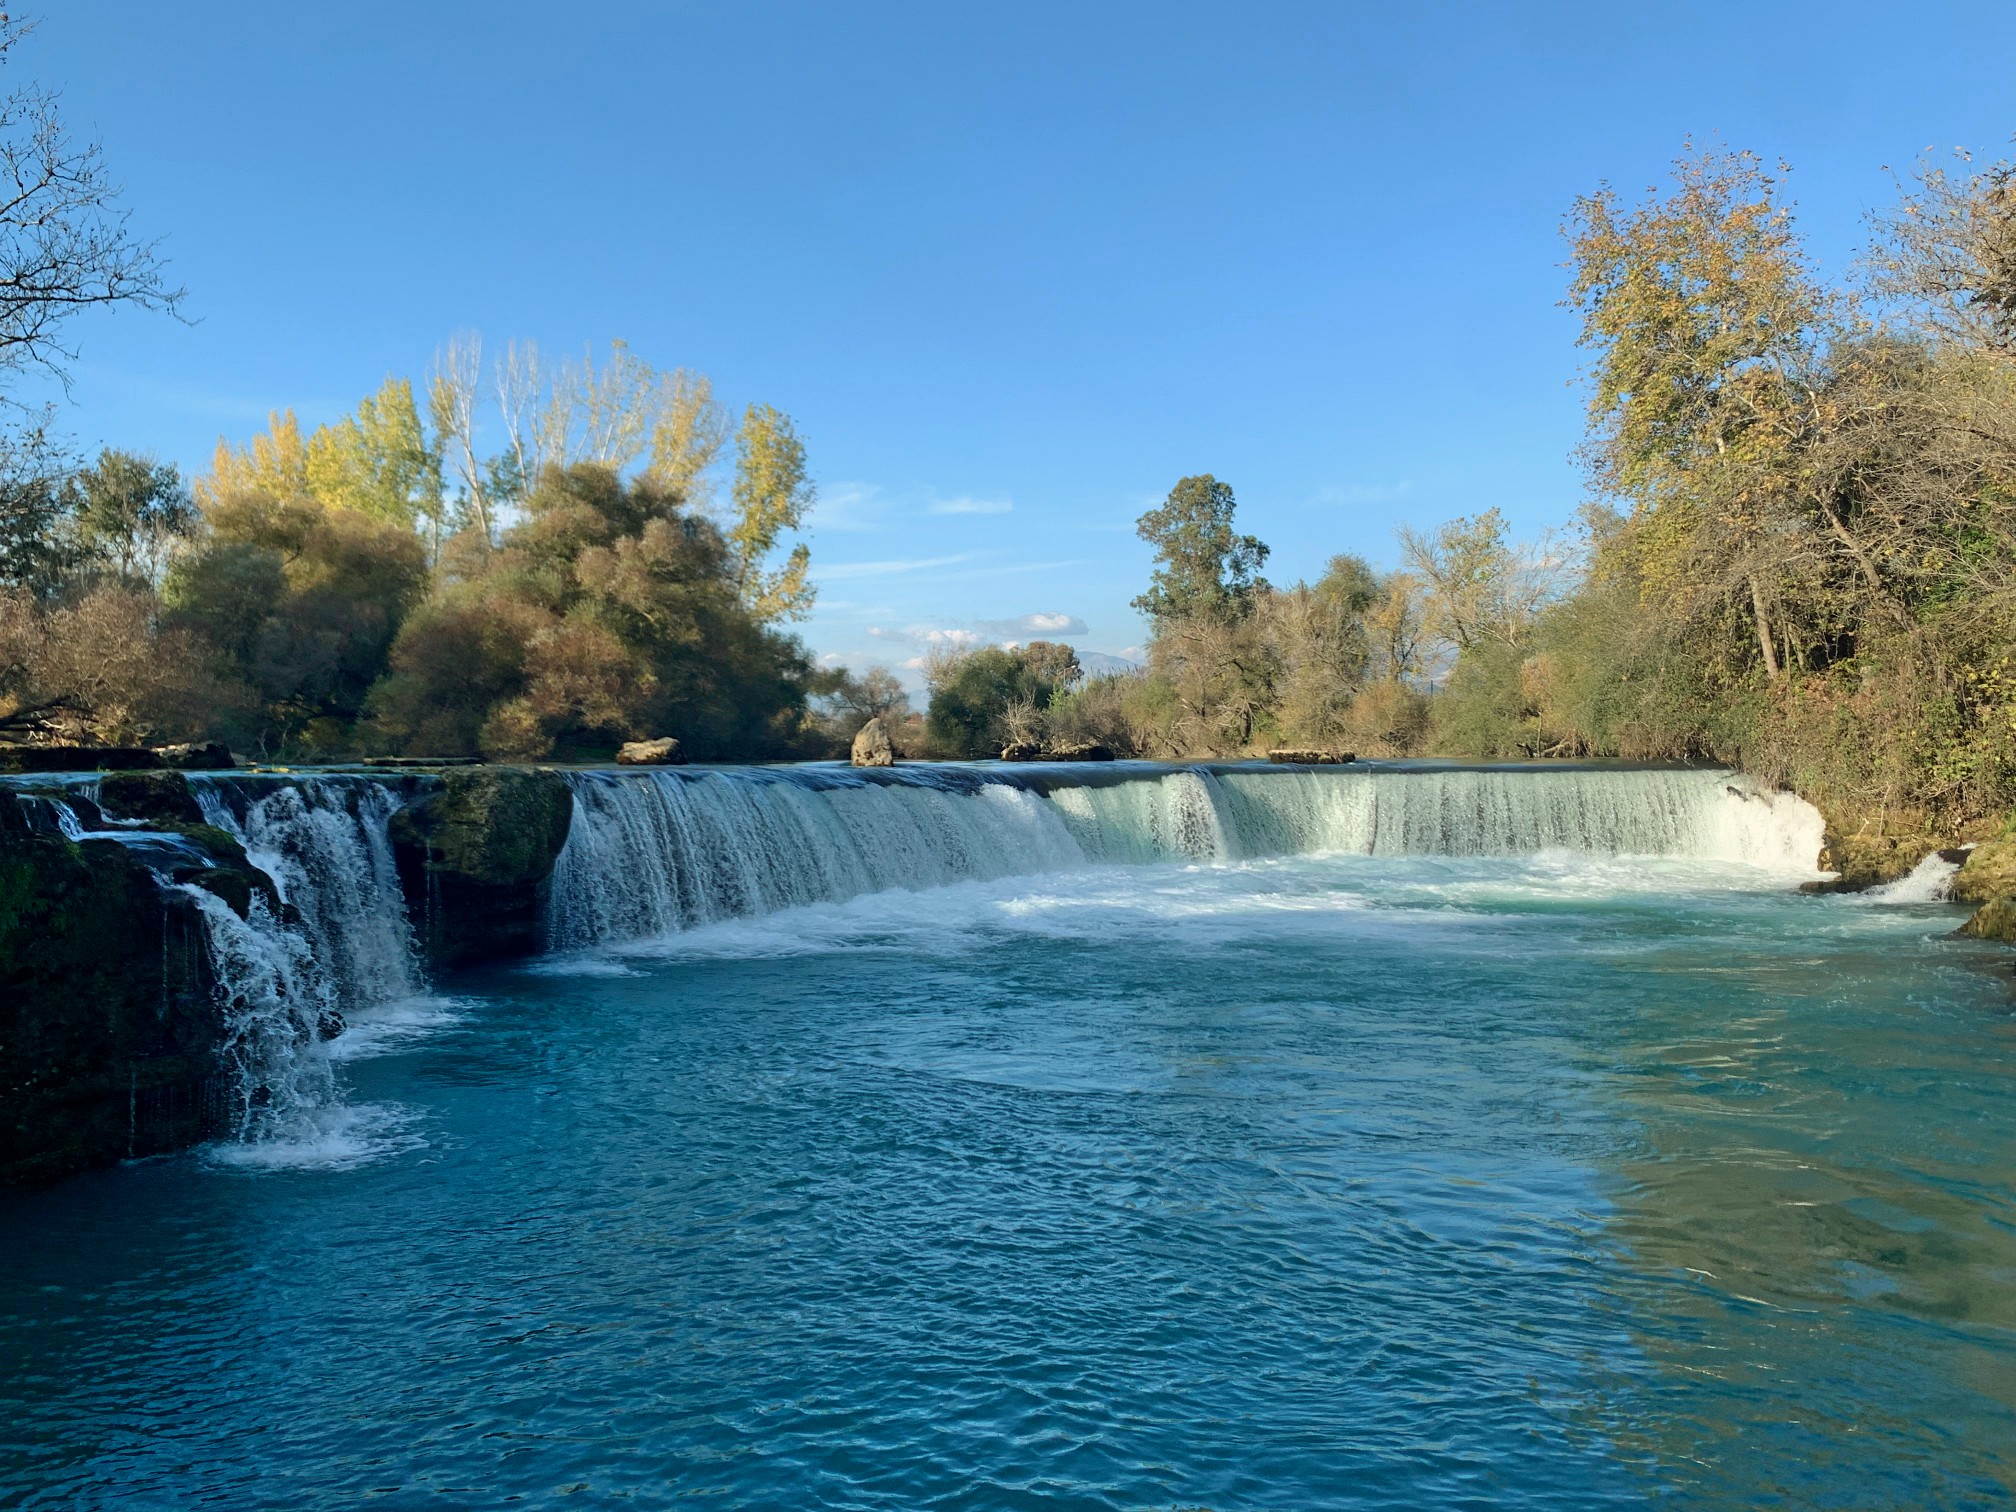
(1080, 751)
(872, 747)
(664, 751)
(475, 856)
(156, 797)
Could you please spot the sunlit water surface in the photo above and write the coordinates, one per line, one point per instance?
(1323, 1183)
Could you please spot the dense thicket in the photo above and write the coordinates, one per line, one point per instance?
(379, 585)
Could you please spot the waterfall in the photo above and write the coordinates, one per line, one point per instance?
(345, 944)
(325, 843)
(656, 851)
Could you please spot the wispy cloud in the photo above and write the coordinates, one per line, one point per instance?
(838, 571)
(1362, 493)
(967, 505)
(850, 507)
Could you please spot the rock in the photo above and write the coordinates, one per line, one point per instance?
(872, 747)
(1073, 751)
(1995, 920)
(1021, 750)
(404, 762)
(110, 1035)
(663, 751)
(157, 797)
(1869, 860)
(70, 758)
(1988, 873)
(475, 855)
(209, 756)
(1311, 758)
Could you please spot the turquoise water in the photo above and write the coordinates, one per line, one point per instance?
(1324, 1182)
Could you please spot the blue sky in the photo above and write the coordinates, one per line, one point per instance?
(1013, 269)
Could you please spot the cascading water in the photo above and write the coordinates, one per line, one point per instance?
(346, 943)
(654, 852)
(325, 843)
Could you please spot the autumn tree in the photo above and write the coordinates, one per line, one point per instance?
(772, 494)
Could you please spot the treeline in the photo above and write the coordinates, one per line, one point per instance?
(1800, 554)
(380, 584)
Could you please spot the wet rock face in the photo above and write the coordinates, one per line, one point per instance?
(475, 856)
(665, 751)
(872, 747)
(109, 1029)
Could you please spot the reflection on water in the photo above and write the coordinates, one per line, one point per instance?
(1358, 1181)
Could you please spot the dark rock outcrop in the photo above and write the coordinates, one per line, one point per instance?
(872, 746)
(1021, 750)
(1075, 751)
(24, 758)
(664, 751)
(207, 756)
(109, 1027)
(475, 856)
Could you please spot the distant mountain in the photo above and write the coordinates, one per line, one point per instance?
(1105, 664)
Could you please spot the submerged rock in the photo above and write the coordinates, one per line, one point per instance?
(475, 856)
(664, 751)
(1285, 757)
(872, 747)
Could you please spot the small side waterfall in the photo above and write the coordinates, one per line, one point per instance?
(324, 841)
(346, 944)
(657, 851)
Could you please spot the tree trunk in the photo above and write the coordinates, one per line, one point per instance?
(1763, 631)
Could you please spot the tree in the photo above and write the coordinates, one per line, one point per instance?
(378, 463)
(974, 695)
(131, 510)
(1481, 586)
(772, 494)
(1205, 569)
(65, 246)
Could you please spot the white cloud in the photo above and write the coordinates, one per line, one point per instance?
(1030, 626)
(966, 505)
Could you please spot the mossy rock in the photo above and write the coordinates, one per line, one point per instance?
(157, 797)
(496, 826)
(1994, 920)
(1866, 860)
(1989, 873)
(475, 856)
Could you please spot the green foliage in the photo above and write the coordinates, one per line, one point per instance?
(772, 494)
(1204, 569)
(977, 699)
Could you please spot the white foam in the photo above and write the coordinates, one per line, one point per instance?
(336, 1138)
(386, 1028)
(1927, 882)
